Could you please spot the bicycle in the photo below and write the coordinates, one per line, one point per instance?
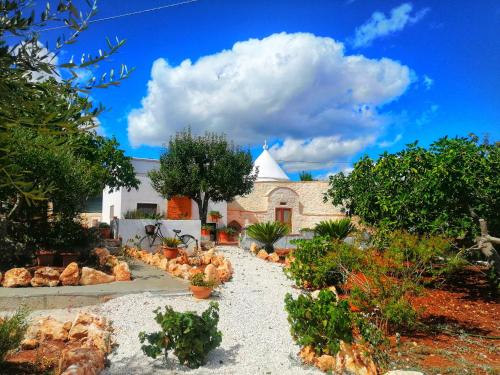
(153, 233)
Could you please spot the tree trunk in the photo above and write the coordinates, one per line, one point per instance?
(203, 208)
(485, 244)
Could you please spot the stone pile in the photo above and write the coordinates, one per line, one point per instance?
(71, 275)
(213, 265)
(77, 347)
(278, 256)
(351, 359)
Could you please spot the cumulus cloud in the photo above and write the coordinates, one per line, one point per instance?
(379, 25)
(317, 153)
(296, 87)
(427, 115)
(427, 81)
(385, 144)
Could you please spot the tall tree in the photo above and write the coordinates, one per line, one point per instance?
(203, 168)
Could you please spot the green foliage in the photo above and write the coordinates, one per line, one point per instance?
(170, 241)
(29, 99)
(12, 330)
(229, 230)
(334, 229)
(268, 233)
(439, 190)
(203, 168)
(104, 225)
(306, 176)
(199, 280)
(215, 214)
(320, 322)
(320, 262)
(139, 214)
(190, 336)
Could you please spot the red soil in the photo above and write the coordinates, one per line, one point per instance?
(462, 329)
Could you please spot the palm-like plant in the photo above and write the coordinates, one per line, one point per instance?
(268, 233)
(334, 229)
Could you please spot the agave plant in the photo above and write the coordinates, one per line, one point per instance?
(268, 233)
(334, 229)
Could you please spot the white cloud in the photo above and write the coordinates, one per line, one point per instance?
(427, 81)
(427, 115)
(385, 144)
(317, 153)
(379, 25)
(297, 87)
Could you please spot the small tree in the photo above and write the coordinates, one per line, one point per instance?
(306, 176)
(203, 168)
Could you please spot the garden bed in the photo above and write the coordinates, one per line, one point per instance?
(462, 319)
(73, 274)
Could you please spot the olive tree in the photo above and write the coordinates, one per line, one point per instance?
(203, 168)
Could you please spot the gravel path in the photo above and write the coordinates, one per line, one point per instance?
(256, 337)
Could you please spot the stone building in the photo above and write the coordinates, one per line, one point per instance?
(275, 198)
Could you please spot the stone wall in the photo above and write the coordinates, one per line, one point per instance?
(304, 198)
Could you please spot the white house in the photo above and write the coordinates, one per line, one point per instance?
(146, 199)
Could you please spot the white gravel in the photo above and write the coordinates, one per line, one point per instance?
(256, 337)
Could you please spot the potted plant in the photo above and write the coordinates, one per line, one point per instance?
(226, 234)
(45, 258)
(68, 257)
(201, 288)
(169, 247)
(214, 215)
(206, 230)
(105, 230)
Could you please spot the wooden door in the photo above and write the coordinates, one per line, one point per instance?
(284, 215)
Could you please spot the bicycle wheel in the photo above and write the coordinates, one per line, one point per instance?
(189, 242)
(144, 243)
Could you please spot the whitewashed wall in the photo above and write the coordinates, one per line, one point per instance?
(145, 194)
(128, 229)
(212, 206)
(108, 200)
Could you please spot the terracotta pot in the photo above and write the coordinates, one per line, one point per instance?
(200, 292)
(45, 258)
(105, 232)
(170, 252)
(225, 237)
(205, 232)
(68, 258)
(214, 218)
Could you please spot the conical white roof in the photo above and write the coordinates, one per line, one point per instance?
(269, 169)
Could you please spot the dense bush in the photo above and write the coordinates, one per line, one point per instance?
(320, 322)
(319, 262)
(334, 229)
(441, 189)
(190, 336)
(12, 330)
(268, 233)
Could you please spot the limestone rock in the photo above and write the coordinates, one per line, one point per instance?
(80, 326)
(326, 363)
(207, 256)
(262, 254)
(91, 276)
(16, 277)
(225, 271)
(81, 361)
(102, 254)
(274, 258)
(70, 275)
(211, 273)
(164, 264)
(122, 272)
(193, 271)
(254, 248)
(185, 268)
(50, 329)
(29, 344)
(355, 359)
(45, 276)
(307, 354)
(217, 260)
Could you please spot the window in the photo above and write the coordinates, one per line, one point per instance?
(284, 215)
(147, 208)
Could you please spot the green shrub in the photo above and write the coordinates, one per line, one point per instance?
(139, 214)
(334, 229)
(190, 336)
(268, 233)
(12, 330)
(320, 262)
(199, 280)
(320, 322)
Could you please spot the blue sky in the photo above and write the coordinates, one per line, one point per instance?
(323, 81)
